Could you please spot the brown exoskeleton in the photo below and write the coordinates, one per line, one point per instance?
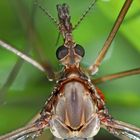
(76, 108)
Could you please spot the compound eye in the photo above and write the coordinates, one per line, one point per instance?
(79, 50)
(61, 52)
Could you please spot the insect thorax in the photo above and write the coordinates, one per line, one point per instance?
(74, 113)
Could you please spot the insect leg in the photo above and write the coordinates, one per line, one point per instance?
(36, 126)
(94, 68)
(121, 129)
(116, 76)
(25, 57)
(20, 9)
(31, 130)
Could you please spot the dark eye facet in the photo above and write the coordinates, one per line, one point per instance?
(79, 50)
(61, 52)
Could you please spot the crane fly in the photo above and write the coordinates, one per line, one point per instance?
(76, 108)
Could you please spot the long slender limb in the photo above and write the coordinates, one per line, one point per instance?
(25, 131)
(94, 68)
(33, 38)
(35, 126)
(10, 79)
(116, 76)
(21, 12)
(32, 130)
(36, 117)
(27, 23)
(120, 129)
(23, 56)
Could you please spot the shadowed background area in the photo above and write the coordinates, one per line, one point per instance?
(24, 89)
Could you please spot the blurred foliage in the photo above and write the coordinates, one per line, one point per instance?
(28, 29)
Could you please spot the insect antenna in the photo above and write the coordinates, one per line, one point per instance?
(46, 11)
(84, 14)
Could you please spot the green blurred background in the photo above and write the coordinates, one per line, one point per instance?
(28, 29)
